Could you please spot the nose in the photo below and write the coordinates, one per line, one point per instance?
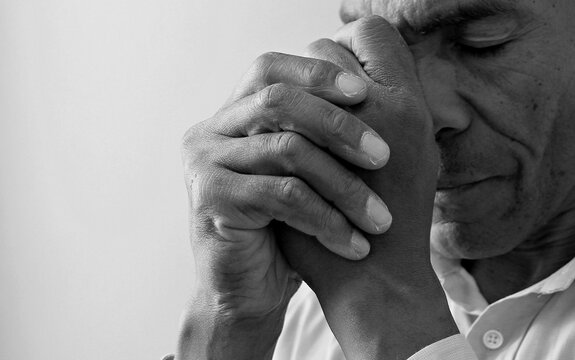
(439, 81)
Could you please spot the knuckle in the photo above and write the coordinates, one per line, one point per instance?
(276, 96)
(289, 147)
(214, 194)
(191, 152)
(190, 136)
(206, 197)
(264, 62)
(335, 122)
(350, 185)
(288, 143)
(190, 174)
(291, 190)
(316, 73)
(200, 204)
(329, 221)
(354, 194)
(203, 187)
(197, 148)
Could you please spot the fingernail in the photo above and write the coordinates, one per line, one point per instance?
(375, 148)
(350, 85)
(360, 244)
(378, 213)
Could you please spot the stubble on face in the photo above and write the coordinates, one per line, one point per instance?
(518, 148)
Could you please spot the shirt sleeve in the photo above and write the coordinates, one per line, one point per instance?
(454, 347)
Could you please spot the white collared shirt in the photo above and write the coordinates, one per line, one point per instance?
(537, 323)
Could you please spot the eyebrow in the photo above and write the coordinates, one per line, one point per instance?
(461, 13)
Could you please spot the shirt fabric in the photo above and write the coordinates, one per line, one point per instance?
(537, 323)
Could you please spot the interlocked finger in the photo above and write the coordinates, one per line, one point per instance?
(290, 154)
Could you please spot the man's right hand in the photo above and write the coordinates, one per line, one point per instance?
(279, 150)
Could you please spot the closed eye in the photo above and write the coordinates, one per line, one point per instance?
(481, 48)
(486, 36)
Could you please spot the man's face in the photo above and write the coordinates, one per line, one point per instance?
(498, 78)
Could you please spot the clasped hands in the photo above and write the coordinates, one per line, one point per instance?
(288, 181)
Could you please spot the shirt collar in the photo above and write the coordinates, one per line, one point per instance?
(461, 288)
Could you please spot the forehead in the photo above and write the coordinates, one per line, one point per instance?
(411, 11)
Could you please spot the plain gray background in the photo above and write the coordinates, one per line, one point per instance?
(94, 99)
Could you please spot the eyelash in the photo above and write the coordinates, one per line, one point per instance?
(480, 52)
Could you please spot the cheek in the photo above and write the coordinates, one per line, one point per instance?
(533, 107)
(516, 99)
(521, 109)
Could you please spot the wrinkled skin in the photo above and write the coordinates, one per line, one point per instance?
(250, 165)
(494, 91)
(511, 106)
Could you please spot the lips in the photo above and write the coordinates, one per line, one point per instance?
(445, 184)
(482, 172)
(470, 200)
(461, 184)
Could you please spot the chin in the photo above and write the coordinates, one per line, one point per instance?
(484, 221)
(455, 240)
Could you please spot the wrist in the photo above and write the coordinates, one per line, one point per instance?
(390, 325)
(212, 330)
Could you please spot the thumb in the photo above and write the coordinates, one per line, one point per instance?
(380, 49)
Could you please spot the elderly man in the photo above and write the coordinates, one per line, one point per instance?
(454, 116)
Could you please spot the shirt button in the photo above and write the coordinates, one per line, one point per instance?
(492, 339)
